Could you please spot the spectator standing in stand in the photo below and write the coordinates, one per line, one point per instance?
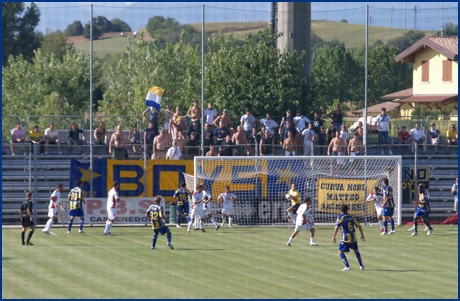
(337, 117)
(210, 114)
(269, 124)
(247, 122)
(384, 125)
(331, 132)
(322, 141)
(134, 137)
(195, 115)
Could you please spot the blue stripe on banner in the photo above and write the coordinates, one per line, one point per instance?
(80, 171)
(151, 103)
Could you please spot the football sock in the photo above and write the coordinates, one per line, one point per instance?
(213, 219)
(344, 260)
(358, 256)
(109, 226)
(188, 219)
(290, 240)
(381, 225)
(81, 223)
(415, 225)
(428, 225)
(30, 235)
(189, 225)
(50, 225)
(312, 239)
(385, 225)
(291, 214)
(154, 240)
(178, 219)
(23, 234)
(392, 223)
(229, 220)
(70, 225)
(168, 237)
(106, 226)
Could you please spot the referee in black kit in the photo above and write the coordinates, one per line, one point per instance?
(27, 218)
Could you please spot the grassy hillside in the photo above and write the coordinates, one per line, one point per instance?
(352, 35)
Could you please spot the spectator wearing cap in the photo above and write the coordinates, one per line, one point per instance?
(435, 136)
(418, 136)
(193, 147)
(194, 128)
(451, 136)
(36, 137)
(284, 125)
(403, 138)
(247, 122)
(226, 121)
(195, 114)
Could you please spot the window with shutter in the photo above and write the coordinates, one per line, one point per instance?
(425, 71)
(446, 71)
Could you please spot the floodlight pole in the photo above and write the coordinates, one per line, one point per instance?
(365, 114)
(91, 100)
(202, 83)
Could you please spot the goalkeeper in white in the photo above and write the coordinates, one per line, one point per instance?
(376, 197)
(304, 222)
(226, 199)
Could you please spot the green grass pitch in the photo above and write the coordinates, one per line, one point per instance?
(241, 262)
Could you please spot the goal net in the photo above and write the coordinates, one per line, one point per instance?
(261, 184)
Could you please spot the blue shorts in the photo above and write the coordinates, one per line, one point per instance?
(77, 212)
(388, 211)
(422, 213)
(384, 137)
(183, 209)
(346, 246)
(163, 230)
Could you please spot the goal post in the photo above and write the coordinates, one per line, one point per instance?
(262, 182)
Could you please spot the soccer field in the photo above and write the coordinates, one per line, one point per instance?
(238, 262)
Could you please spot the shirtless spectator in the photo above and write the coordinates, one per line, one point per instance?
(226, 121)
(227, 147)
(52, 137)
(220, 133)
(212, 152)
(180, 140)
(241, 142)
(177, 123)
(195, 114)
(18, 135)
(118, 146)
(167, 117)
(267, 145)
(100, 137)
(290, 145)
(355, 146)
(337, 144)
(160, 144)
(359, 131)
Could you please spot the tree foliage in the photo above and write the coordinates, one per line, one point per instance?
(48, 86)
(169, 30)
(18, 25)
(55, 42)
(103, 24)
(449, 29)
(96, 31)
(403, 42)
(119, 25)
(74, 29)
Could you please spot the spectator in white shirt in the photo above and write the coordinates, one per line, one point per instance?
(247, 122)
(52, 137)
(418, 136)
(174, 152)
(345, 136)
(383, 122)
(210, 114)
(270, 124)
(300, 121)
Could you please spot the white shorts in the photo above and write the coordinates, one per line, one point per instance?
(166, 126)
(112, 213)
(197, 211)
(435, 142)
(306, 226)
(227, 210)
(286, 153)
(52, 212)
(207, 211)
(379, 211)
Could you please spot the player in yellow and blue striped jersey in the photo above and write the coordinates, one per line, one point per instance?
(423, 209)
(75, 204)
(388, 205)
(347, 223)
(182, 195)
(157, 217)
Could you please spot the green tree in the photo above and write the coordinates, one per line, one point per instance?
(169, 30)
(96, 31)
(74, 29)
(18, 25)
(119, 25)
(103, 24)
(55, 42)
(48, 86)
(449, 29)
(403, 42)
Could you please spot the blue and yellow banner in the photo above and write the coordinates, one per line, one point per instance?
(161, 177)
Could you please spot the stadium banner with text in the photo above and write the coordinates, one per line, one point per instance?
(408, 182)
(332, 193)
(129, 210)
(161, 177)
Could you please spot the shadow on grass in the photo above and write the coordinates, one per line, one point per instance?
(9, 258)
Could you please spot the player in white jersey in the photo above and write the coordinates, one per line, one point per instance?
(197, 208)
(304, 222)
(55, 201)
(112, 201)
(226, 199)
(207, 209)
(376, 197)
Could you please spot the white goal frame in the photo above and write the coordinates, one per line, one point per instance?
(369, 170)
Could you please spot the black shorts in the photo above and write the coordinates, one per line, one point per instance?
(26, 223)
(295, 207)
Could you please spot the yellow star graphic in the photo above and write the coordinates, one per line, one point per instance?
(285, 175)
(86, 175)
